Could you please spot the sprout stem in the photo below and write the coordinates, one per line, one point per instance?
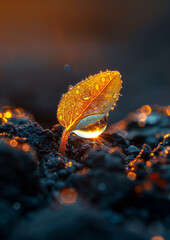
(63, 142)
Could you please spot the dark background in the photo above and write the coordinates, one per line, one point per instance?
(38, 37)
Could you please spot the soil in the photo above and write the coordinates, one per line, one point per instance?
(114, 187)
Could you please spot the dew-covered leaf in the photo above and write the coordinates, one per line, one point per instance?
(93, 96)
(89, 101)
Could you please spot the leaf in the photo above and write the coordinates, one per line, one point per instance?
(88, 101)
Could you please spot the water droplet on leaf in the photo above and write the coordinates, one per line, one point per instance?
(97, 86)
(103, 79)
(60, 117)
(86, 97)
(93, 130)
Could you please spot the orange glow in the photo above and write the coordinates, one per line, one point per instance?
(13, 143)
(20, 112)
(147, 185)
(168, 110)
(140, 160)
(69, 164)
(26, 147)
(8, 114)
(4, 120)
(142, 117)
(121, 125)
(166, 135)
(1, 114)
(83, 171)
(131, 176)
(146, 109)
(148, 163)
(157, 238)
(111, 150)
(166, 151)
(132, 163)
(68, 196)
(154, 176)
(141, 124)
(138, 189)
(162, 183)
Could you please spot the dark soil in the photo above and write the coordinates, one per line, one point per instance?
(115, 187)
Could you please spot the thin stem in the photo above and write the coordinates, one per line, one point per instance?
(63, 142)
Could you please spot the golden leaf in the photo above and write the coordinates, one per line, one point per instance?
(87, 102)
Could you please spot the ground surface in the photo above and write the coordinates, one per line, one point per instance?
(114, 187)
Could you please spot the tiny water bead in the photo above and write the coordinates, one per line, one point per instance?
(97, 86)
(93, 130)
(67, 67)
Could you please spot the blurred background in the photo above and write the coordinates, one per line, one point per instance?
(47, 45)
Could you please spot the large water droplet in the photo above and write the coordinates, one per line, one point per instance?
(93, 130)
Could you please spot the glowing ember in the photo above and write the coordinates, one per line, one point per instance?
(148, 163)
(26, 147)
(68, 196)
(157, 238)
(154, 176)
(8, 114)
(13, 143)
(146, 109)
(142, 117)
(138, 189)
(83, 171)
(131, 176)
(69, 164)
(168, 110)
(4, 120)
(147, 185)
